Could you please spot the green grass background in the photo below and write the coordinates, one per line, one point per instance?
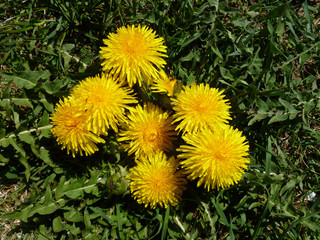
(264, 54)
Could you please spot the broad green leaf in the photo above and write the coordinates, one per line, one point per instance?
(74, 190)
(48, 208)
(23, 101)
(86, 219)
(27, 138)
(57, 224)
(53, 87)
(73, 215)
(26, 79)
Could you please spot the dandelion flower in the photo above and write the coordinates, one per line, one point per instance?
(200, 107)
(105, 100)
(156, 181)
(148, 131)
(164, 84)
(217, 159)
(70, 128)
(133, 52)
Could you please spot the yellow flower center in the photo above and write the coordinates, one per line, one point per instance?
(72, 122)
(150, 135)
(134, 47)
(159, 180)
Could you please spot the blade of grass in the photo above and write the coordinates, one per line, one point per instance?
(119, 221)
(165, 224)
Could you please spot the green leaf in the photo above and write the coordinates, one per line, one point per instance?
(223, 217)
(27, 138)
(75, 189)
(291, 110)
(59, 191)
(3, 160)
(26, 79)
(256, 65)
(73, 215)
(53, 87)
(279, 116)
(25, 163)
(57, 224)
(86, 219)
(48, 105)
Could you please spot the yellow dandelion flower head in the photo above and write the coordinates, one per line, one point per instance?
(70, 128)
(148, 131)
(133, 52)
(155, 181)
(105, 100)
(200, 107)
(217, 158)
(164, 84)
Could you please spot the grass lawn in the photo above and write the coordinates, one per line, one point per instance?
(265, 57)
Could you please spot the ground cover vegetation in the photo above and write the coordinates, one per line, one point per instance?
(263, 55)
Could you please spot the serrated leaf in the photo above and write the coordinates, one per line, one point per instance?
(86, 219)
(257, 117)
(291, 110)
(23, 214)
(26, 79)
(16, 146)
(75, 190)
(53, 87)
(49, 106)
(255, 65)
(45, 209)
(73, 229)
(27, 138)
(186, 42)
(45, 156)
(73, 215)
(25, 163)
(279, 116)
(49, 180)
(22, 102)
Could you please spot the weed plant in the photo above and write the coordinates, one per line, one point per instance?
(265, 56)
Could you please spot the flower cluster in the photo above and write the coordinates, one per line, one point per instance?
(213, 152)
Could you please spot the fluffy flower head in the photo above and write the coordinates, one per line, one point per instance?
(105, 100)
(200, 107)
(217, 159)
(133, 52)
(70, 128)
(156, 181)
(148, 131)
